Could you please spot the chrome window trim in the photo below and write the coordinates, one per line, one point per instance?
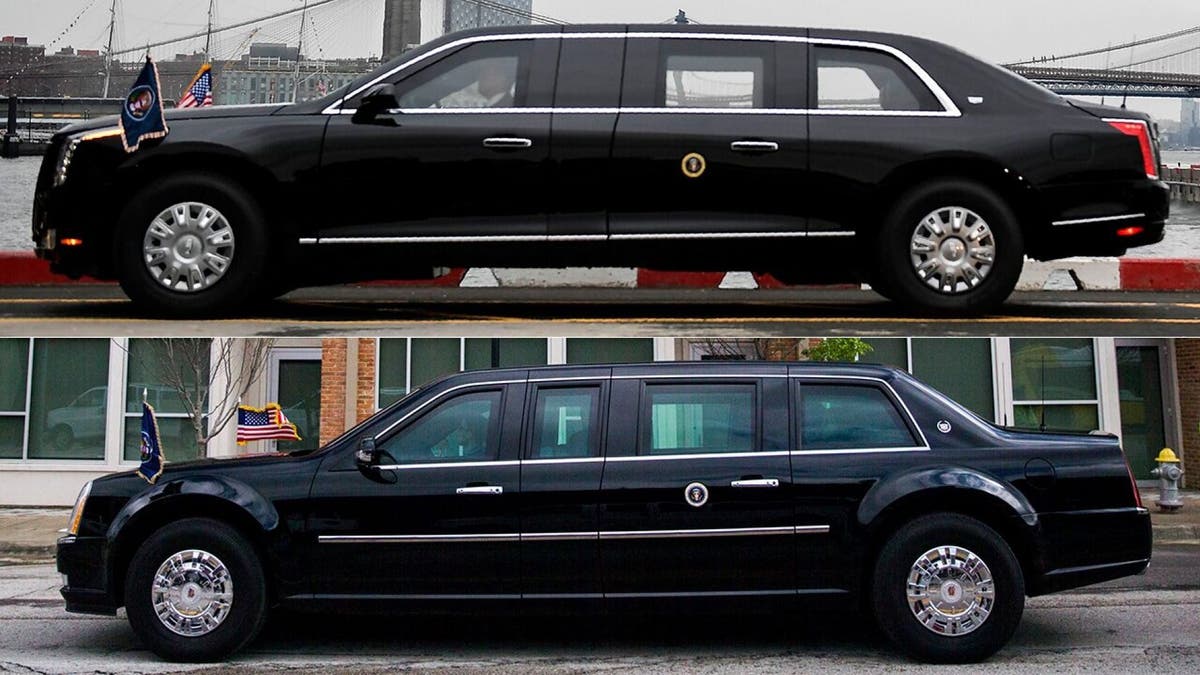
(446, 465)
(1102, 219)
(570, 536)
(697, 455)
(500, 238)
(949, 109)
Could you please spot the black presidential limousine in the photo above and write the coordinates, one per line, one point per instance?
(624, 487)
(815, 155)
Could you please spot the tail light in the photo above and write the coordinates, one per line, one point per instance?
(1137, 495)
(1140, 130)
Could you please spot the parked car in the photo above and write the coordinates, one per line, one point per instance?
(815, 155)
(667, 486)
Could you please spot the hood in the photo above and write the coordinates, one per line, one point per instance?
(1110, 112)
(217, 465)
(178, 114)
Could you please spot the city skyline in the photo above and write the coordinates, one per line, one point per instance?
(995, 33)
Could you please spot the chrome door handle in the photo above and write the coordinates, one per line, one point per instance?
(754, 146)
(505, 143)
(756, 483)
(480, 490)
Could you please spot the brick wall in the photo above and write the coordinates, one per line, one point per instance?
(1187, 362)
(333, 388)
(365, 394)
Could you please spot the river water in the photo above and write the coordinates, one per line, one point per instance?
(17, 178)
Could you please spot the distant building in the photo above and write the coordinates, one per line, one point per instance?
(408, 23)
(464, 14)
(267, 73)
(1189, 122)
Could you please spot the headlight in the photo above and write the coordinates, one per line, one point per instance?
(77, 512)
(67, 153)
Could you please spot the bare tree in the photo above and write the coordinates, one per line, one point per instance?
(210, 378)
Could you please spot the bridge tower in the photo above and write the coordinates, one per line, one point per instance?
(401, 26)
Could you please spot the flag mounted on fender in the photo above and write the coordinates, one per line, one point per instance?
(264, 424)
(142, 113)
(198, 93)
(152, 455)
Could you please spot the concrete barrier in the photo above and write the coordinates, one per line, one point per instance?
(1184, 182)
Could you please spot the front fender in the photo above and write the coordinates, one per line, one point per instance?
(893, 489)
(226, 489)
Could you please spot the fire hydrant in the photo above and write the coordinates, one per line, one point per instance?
(1168, 474)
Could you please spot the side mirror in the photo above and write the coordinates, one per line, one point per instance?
(379, 99)
(366, 456)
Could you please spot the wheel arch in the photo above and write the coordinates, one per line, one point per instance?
(217, 498)
(1006, 181)
(895, 501)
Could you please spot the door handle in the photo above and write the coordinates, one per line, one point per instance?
(755, 483)
(506, 143)
(754, 146)
(480, 490)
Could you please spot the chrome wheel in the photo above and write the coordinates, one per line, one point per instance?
(192, 593)
(188, 247)
(950, 590)
(952, 250)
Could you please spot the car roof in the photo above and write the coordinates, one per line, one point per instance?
(698, 368)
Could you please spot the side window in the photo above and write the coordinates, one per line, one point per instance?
(850, 416)
(868, 80)
(463, 429)
(699, 418)
(565, 423)
(715, 74)
(482, 75)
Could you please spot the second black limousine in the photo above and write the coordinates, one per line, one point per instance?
(581, 487)
(814, 155)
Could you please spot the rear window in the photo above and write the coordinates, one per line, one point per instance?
(853, 79)
(850, 416)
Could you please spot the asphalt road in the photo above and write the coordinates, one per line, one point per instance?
(1145, 623)
(594, 312)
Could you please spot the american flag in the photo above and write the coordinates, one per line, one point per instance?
(264, 424)
(199, 92)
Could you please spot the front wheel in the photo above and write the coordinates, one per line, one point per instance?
(192, 244)
(949, 246)
(948, 589)
(195, 591)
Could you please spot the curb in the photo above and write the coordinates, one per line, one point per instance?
(1176, 534)
(23, 268)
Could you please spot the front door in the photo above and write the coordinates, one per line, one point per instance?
(702, 502)
(702, 147)
(294, 382)
(1142, 367)
(465, 155)
(438, 519)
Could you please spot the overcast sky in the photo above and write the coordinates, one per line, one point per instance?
(997, 31)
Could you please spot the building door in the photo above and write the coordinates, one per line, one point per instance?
(294, 382)
(1148, 409)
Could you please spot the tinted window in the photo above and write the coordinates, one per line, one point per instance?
(482, 75)
(847, 416)
(589, 73)
(869, 80)
(465, 428)
(679, 419)
(714, 74)
(565, 423)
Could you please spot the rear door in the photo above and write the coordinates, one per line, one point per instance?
(696, 497)
(703, 147)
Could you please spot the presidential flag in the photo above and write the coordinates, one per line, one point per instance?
(199, 93)
(264, 424)
(152, 455)
(142, 112)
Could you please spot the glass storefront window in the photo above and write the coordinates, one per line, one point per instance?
(155, 367)
(436, 357)
(14, 367)
(1054, 380)
(887, 352)
(960, 368)
(300, 398)
(510, 352)
(392, 384)
(609, 350)
(68, 398)
(432, 358)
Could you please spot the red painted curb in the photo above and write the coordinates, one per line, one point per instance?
(1160, 274)
(23, 268)
(672, 279)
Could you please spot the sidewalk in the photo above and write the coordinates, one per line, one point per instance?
(28, 535)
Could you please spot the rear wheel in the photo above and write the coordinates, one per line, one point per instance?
(949, 246)
(192, 244)
(948, 589)
(195, 591)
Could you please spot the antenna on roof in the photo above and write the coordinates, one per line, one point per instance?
(681, 17)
